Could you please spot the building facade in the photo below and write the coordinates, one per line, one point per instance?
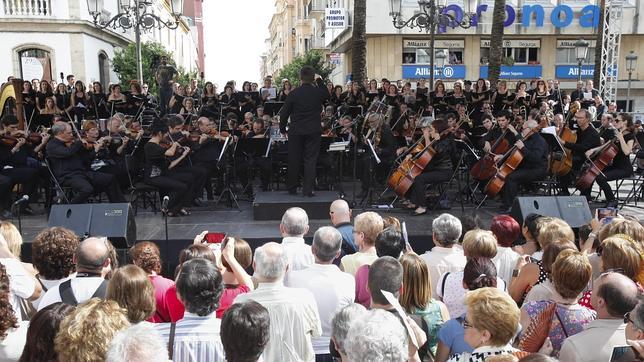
(49, 39)
(539, 37)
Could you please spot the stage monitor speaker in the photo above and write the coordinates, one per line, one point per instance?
(573, 210)
(115, 221)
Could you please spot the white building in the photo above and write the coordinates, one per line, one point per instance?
(46, 38)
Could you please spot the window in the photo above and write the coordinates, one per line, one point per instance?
(35, 64)
(519, 55)
(423, 55)
(104, 70)
(568, 56)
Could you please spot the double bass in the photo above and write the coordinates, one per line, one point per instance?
(485, 168)
(562, 167)
(596, 164)
(508, 163)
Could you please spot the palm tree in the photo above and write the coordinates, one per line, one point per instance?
(599, 40)
(359, 43)
(496, 43)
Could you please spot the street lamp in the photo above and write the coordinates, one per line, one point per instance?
(428, 19)
(135, 14)
(631, 65)
(581, 49)
(440, 57)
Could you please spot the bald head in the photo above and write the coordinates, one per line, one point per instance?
(295, 222)
(92, 255)
(270, 262)
(340, 212)
(614, 295)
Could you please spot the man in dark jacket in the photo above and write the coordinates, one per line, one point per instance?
(304, 107)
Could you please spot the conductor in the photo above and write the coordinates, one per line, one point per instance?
(304, 107)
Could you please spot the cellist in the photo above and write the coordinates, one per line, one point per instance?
(533, 167)
(505, 129)
(621, 166)
(439, 169)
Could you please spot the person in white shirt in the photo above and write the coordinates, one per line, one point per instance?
(196, 337)
(634, 331)
(614, 295)
(331, 288)
(137, 343)
(269, 89)
(294, 314)
(506, 230)
(92, 260)
(444, 257)
(294, 225)
(366, 228)
(22, 283)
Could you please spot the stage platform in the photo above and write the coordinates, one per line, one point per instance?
(271, 205)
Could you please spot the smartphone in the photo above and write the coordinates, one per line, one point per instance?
(214, 238)
(623, 354)
(605, 212)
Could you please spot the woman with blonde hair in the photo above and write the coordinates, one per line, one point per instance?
(416, 298)
(86, 333)
(132, 290)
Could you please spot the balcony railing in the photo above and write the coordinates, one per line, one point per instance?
(317, 5)
(27, 8)
(316, 43)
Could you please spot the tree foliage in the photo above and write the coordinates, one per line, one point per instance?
(313, 58)
(124, 64)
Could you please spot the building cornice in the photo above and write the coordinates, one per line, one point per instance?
(27, 25)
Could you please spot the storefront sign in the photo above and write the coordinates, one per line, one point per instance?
(570, 43)
(422, 71)
(515, 71)
(561, 16)
(336, 18)
(527, 43)
(334, 58)
(572, 71)
(438, 44)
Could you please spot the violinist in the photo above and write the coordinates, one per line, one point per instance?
(17, 163)
(118, 145)
(207, 149)
(587, 138)
(439, 169)
(533, 167)
(345, 131)
(384, 145)
(158, 172)
(95, 152)
(65, 157)
(621, 166)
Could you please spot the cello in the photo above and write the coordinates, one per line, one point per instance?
(508, 163)
(596, 164)
(564, 165)
(484, 168)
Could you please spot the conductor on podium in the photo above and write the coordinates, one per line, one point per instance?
(304, 107)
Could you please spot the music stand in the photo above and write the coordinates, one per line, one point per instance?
(353, 111)
(226, 180)
(368, 197)
(251, 148)
(273, 108)
(549, 135)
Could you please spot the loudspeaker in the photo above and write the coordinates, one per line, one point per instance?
(572, 209)
(115, 221)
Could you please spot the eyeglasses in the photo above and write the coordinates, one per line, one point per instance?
(466, 324)
(627, 318)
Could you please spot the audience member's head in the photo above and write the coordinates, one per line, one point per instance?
(366, 228)
(43, 328)
(243, 254)
(147, 256)
(469, 222)
(376, 335)
(551, 229)
(390, 242)
(446, 230)
(635, 326)
(479, 272)
(617, 252)
(8, 319)
(505, 229)
(624, 226)
(12, 236)
(245, 331)
(86, 332)
(132, 290)
(339, 212)
(417, 293)
(613, 295)
(551, 252)
(52, 252)
(530, 227)
(386, 274)
(199, 286)
(295, 222)
(391, 222)
(270, 262)
(492, 318)
(341, 323)
(571, 273)
(193, 252)
(479, 243)
(327, 242)
(92, 255)
(138, 343)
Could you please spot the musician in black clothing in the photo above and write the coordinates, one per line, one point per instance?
(607, 129)
(534, 166)
(621, 167)
(244, 165)
(304, 106)
(384, 144)
(504, 129)
(439, 169)
(64, 154)
(587, 138)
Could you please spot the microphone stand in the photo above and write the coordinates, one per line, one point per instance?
(18, 214)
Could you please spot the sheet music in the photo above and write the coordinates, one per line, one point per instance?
(223, 149)
(394, 303)
(550, 130)
(588, 96)
(373, 151)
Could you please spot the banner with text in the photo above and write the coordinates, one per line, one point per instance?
(422, 71)
(515, 71)
(336, 18)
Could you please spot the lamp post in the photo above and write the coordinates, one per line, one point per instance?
(137, 15)
(631, 65)
(440, 61)
(428, 19)
(581, 50)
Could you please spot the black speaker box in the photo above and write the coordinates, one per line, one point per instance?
(572, 209)
(115, 221)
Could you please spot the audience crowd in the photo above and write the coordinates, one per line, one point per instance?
(539, 291)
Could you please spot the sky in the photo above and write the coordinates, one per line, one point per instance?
(234, 38)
